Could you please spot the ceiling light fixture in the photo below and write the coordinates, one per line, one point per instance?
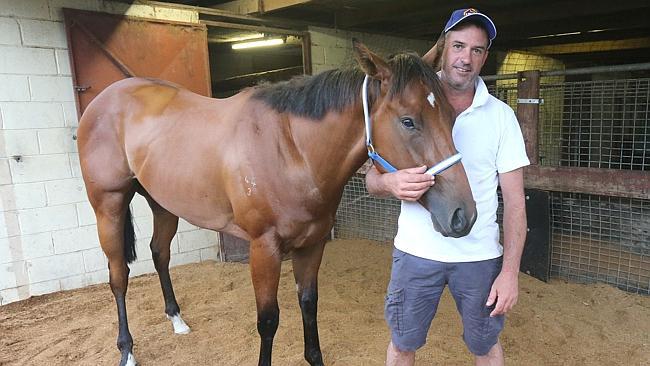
(262, 43)
(555, 35)
(244, 37)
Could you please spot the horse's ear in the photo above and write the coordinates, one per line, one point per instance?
(369, 62)
(432, 57)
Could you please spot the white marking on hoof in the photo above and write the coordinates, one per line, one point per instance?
(130, 360)
(180, 327)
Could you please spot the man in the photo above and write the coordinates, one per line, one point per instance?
(480, 272)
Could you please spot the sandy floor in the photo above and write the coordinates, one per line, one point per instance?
(553, 324)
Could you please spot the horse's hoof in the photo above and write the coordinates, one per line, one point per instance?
(180, 327)
(128, 360)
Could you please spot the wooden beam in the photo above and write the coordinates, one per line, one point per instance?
(258, 6)
(610, 35)
(271, 5)
(388, 11)
(254, 28)
(528, 111)
(514, 29)
(619, 20)
(604, 182)
(590, 47)
(242, 7)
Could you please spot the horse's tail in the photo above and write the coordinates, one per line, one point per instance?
(129, 238)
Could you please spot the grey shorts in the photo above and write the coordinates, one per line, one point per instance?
(414, 291)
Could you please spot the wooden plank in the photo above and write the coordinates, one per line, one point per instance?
(604, 182)
(596, 46)
(239, 6)
(528, 113)
(306, 54)
(258, 6)
(255, 28)
(271, 5)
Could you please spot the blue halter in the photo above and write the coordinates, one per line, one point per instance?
(374, 155)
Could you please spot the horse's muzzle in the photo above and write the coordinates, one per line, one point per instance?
(450, 220)
(460, 223)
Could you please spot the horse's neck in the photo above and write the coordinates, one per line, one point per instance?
(334, 147)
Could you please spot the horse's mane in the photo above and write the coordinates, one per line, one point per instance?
(314, 96)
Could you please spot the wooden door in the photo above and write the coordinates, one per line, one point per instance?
(105, 48)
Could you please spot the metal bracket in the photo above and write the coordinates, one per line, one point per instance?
(530, 101)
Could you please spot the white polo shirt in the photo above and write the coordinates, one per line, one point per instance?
(489, 137)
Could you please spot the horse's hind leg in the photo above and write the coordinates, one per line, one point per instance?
(118, 242)
(306, 262)
(164, 229)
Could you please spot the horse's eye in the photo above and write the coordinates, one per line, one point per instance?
(408, 123)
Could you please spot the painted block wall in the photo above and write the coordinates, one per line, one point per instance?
(48, 236)
(332, 48)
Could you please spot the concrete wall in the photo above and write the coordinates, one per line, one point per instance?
(331, 48)
(48, 236)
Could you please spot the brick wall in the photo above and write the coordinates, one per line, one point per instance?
(48, 236)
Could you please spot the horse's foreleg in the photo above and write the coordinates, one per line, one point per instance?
(306, 262)
(164, 229)
(265, 262)
(111, 222)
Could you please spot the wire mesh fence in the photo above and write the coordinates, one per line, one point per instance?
(596, 124)
(599, 239)
(604, 239)
(362, 216)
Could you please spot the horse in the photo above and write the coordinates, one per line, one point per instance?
(268, 165)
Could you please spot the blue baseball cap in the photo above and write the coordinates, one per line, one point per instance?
(461, 14)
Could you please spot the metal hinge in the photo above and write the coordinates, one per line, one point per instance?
(530, 101)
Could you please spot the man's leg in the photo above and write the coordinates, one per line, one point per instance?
(395, 357)
(470, 285)
(493, 358)
(411, 303)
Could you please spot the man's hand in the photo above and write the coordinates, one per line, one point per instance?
(505, 290)
(406, 184)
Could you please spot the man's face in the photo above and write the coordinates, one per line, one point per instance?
(463, 57)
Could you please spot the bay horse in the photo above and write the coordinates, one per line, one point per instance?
(268, 165)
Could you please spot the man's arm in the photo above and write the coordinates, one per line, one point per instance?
(506, 286)
(406, 184)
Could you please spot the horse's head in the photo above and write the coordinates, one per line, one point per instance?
(411, 126)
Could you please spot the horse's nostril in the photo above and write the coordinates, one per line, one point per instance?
(458, 221)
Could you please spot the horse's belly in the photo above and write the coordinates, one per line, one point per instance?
(202, 212)
(196, 200)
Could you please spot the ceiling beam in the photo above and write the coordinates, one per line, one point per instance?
(596, 46)
(510, 30)
(388, 11)
(258, 6)
(613, 35)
